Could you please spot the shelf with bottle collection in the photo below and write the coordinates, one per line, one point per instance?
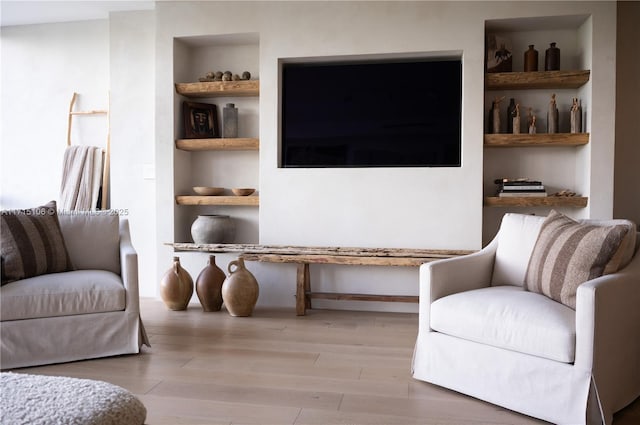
(513, 138)
(214, 89)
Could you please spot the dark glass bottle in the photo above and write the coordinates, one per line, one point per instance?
(552, 58)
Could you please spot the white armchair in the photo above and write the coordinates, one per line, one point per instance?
(482, 334)
(89, 312)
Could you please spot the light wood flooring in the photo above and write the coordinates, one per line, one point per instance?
(329, 367)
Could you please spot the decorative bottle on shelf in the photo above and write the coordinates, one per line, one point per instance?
(240, 289)
(176, 287)
(531, 59)
(552, 58)
(576, 116)
(552, 116)
(230, 121)
(510, 111)
(209, 285)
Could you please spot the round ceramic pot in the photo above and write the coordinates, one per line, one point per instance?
(212, 229)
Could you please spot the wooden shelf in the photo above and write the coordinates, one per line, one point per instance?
(547, 201)
(536, 80)
(236, 144)
(218, 200)
(219, 88)
(539, 139)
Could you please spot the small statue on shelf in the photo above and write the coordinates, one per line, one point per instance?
(532, 122)
(552, 116)
(576, 116)
(494, 116)
(516, 119)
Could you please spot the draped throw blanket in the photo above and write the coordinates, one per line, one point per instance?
(81, 178)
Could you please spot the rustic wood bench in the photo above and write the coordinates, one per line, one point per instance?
(303, 256)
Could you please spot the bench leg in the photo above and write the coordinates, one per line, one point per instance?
(303, 287)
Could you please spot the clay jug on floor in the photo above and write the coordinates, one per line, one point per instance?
(176, 287)
(240, 290)
(209, 286)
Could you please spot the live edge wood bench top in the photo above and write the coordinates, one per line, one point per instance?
(305, 255)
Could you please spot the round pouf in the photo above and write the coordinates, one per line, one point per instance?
(40, 400)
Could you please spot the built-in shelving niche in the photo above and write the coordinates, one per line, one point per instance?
(560, 161)
(217, 162)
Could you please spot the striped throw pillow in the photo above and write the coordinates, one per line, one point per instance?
(567, 254)
(32, 243)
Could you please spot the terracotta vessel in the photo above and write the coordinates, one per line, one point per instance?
(176, 287)
(240, 290)
(209, 286)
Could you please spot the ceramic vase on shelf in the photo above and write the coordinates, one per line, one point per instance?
(230, 121)
(240, 290)
(552, 58)
(531, 59)
(213, 229)
(176, 287)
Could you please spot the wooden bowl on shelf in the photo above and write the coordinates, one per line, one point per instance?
(241, 191)
(208, 191)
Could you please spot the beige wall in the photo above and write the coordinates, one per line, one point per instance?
(626, 201)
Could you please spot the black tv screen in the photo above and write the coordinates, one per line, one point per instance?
(401, 113)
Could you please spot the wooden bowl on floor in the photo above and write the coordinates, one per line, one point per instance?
(242, 191)
(208, 191)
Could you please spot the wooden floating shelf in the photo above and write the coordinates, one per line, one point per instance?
(219, 88)
(218, 200)
(236, 144)
(539, 139)
(536, 80)
(546, 201)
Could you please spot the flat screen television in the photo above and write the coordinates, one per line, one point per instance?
(375, 113)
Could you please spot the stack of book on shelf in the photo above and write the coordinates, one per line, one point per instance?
(516, 188)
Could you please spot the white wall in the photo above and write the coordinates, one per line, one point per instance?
(132, 54)
(423, 207)
(42, 65)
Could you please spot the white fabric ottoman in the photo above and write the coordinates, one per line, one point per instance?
(38, 400)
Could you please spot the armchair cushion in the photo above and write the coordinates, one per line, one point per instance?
(511, 318)
(32, 243)
(516, 238)
(92, 239)
(567, 254)
(62, 294)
